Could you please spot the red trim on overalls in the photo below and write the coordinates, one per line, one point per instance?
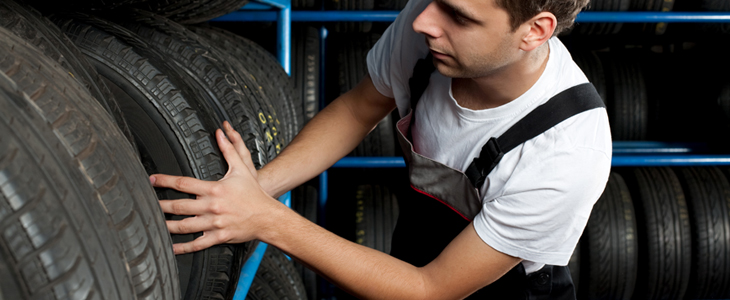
(439, 200)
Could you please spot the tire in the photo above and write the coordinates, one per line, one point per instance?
(708, 199)
(591, 65)
(83, 4)
(173, 126)
(192, 11)
(79, 217)
(375, 217)
(610, 249)
(359, 5)
(30, 25)
(276, 278)
(266, 71)
(351, 57)
(305, 70)
(230, 90)
(626, 102)
(574, 265)
(305, 202)
(665, 243)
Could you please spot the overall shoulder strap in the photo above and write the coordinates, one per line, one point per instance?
(419, 80)
(562, 106)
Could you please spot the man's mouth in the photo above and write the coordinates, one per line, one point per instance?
(439, 55)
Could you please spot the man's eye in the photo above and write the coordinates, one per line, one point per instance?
(458, 17)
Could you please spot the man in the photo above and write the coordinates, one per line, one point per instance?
(512, 232)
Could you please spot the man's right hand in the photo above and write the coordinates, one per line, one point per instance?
(235, 138)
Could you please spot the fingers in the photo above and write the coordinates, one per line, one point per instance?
(229, 152)
(203, 242)
(185, 207)
(184, 184)
(189, 225)
(240, 146)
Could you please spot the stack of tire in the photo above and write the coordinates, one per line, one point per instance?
(658, 233)
(92, 104)
(348, 61)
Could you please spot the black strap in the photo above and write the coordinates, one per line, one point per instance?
(419, 81)
(562, 106)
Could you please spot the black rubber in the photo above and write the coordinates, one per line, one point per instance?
(305, 69)
(304, 201)
(351, 27)
(78, 217)
(82, 4)
(192, 11)
(173, 123)
(266, 71)
(574, 265)
(229, 89)
(708, 199)
(626, 101)
(592, 67)
(352, 67)
(276, 278)
(376, 213)
(664, 236)
(609, 245)
(29, 24)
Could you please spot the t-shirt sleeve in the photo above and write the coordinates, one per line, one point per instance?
(546, 203)
(391, 60)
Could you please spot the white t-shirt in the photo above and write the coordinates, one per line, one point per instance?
(536, 202)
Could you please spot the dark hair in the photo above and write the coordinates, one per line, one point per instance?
(565, 11)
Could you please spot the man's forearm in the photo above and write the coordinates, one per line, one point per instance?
(329, 136)
(359, 270)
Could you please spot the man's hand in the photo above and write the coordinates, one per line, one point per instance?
(226, 211)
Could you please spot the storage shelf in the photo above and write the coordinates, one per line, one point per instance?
(616, 161)
(624, 153)
(257, 15)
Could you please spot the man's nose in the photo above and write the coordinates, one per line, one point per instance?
(428, 21)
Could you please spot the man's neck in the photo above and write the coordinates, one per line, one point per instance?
(504, 85)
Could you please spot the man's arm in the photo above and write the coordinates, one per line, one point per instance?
(236, 209)
(329, 136)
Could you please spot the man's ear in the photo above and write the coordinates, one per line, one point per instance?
(540, 29)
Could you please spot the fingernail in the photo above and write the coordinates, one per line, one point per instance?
(153, 180)
(227, 125)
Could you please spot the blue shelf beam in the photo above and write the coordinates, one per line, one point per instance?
(389, 16)
(617, 161)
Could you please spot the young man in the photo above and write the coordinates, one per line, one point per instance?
(512, 230)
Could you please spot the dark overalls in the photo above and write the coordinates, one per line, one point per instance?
(443, 201)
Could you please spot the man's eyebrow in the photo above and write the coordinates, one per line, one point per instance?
(459, 10)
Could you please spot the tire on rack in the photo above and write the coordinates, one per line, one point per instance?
(610, 249)
(305, 201)
(708, 197)
(352, 67)
(358, 5)
(27, 23)
(192, 11)
(626, 101)
(173, 126)
(305, 70)
(266, 72)
(232, 91)
(376, 213)
(83, 4)
(276, 278)
(79, 217)
(665, 243)
(591, 65)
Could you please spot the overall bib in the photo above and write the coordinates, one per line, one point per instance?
(443, 200)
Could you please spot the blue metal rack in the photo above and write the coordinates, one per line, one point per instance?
(625, 153)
